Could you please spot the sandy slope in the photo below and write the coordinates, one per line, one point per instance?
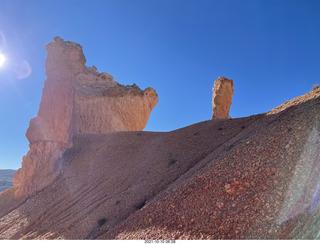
(253, 177)
(265, 187)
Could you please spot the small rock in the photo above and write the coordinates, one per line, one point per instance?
(220, 205)
(230, 189)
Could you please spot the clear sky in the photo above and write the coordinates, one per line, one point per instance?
(270, 48)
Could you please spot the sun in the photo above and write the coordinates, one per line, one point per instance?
(2, 59)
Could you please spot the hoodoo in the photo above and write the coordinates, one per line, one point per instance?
(222, 98)
(76, 99)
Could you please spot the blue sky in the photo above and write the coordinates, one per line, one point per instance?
(270, 48)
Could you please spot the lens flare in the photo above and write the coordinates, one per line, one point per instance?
(2, 59)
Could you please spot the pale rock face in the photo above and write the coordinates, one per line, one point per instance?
(76, 100)
(222, 98)
(104, 105)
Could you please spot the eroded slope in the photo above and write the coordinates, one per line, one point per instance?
(107, 177)
(266, 187)
(249, 178)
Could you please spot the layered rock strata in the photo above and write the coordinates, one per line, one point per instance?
(222, 98)
(76, 99)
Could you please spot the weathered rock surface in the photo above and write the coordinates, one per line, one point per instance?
(222, 98)
(76, 100)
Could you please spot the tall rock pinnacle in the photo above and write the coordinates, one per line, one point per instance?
(222, 98)
(76, 99)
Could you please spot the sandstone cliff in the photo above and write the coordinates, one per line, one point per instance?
(222, 98)
(76, 100)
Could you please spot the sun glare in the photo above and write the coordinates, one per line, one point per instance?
(2, 59)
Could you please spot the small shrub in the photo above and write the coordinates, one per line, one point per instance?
(315, 86)
(102, 221)
(172, 161)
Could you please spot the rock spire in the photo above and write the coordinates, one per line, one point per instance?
(222, 98)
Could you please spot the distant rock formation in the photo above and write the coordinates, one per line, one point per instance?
(222, 98)
(76, 100)
(6, 176)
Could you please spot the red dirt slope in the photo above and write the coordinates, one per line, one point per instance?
(246, 178)
(262, 188)
(108, 177)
